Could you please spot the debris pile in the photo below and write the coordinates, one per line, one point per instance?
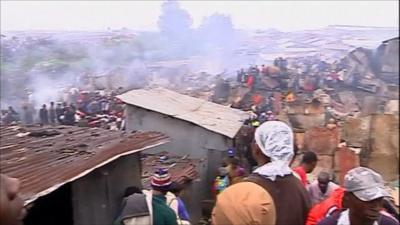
(346, 111)
(182, 169)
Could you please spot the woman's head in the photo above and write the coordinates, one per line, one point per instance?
(273, 141)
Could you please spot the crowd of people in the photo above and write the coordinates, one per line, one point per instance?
(82, 108)
(294, 78)
(255, 184)
(270, 193)
(275, 193)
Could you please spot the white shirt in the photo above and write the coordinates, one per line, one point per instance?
(315, 193)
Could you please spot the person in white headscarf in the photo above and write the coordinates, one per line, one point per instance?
(271, 194)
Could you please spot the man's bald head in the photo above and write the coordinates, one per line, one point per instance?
(323, 177)
(323, 181)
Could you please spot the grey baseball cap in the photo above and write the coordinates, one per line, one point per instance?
(365, 184)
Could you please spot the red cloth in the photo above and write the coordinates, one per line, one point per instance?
(257, 99)
(302, 173)
(319, 211)
(250, 81)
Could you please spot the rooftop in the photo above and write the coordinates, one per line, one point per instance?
(46, 158)
(211, 116)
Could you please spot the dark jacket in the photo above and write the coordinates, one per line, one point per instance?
(290, 198)
(44, 116)
(69, 118)
(133, 206)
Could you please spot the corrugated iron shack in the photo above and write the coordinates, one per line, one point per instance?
(198, 128)
(73, 175)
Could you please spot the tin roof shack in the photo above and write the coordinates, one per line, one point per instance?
(197, 127)
(73, 175)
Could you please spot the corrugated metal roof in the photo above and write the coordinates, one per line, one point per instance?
(211, 116)
(44, 163)
(181, 169)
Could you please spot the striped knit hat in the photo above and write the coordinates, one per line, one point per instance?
(161, 180)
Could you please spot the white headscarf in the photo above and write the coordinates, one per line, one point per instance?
(275, 140)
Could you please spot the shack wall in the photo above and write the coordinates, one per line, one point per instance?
(186, 139)
(97, 196)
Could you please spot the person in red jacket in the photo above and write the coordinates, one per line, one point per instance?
(308, 163)
(326, 207)
(250, 81)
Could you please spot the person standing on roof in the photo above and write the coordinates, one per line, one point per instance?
(27, 114)
(52, 114)
(308, 164)
(59, 112)
(321, 188)
(44, 115)
(271, 194)
(69, 117)
(363, 200)
(250, 81)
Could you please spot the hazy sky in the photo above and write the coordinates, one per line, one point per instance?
(141, 15)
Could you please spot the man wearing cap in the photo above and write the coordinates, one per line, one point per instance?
(271, 194)
(162, 213)
(363, 200)
(151, 206)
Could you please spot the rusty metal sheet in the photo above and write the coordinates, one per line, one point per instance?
(306, 121)
(384, 156)
(356, 131)
(182, 169)
(325, 164)
(43, 164)
(211, 116)
(349, 101)
(269, 82)
(321, 140)
(345, 160)
(370, 105)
